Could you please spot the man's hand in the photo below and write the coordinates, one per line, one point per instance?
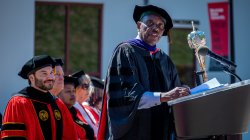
(174, 94)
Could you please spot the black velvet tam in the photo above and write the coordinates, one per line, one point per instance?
(97, 82)
(36, 63)
(70, 80)
(59, 61)
(78, 74)
(139, 10)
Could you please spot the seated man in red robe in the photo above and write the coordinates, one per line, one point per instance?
(59, 77)
(84, 131)
(34, 113)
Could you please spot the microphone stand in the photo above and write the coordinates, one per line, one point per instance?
(225, 69)
(230, 72)
(197, 77)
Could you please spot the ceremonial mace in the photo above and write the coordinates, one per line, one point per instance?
(195, 40)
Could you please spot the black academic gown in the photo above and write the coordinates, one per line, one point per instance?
(133, 71)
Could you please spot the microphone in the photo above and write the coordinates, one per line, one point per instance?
(203, 51)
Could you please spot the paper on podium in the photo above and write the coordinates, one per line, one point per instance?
(211, 84)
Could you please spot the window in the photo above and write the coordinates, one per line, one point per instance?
(71, 31)
(183, 56)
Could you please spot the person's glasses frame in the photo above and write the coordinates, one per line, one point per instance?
(151, 24)
(85, 86)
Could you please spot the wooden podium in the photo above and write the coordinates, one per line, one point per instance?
(223, 111)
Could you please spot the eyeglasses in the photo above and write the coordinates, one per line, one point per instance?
(151, 24)
(85, 86)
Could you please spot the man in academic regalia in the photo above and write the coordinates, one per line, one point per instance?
(84, 131)
(59, 77)
(0, 124)
(141, 79)
(84, 90)
(34, 113)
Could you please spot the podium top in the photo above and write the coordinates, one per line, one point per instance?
(209, 92)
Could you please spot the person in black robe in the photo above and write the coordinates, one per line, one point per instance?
(140, 80)
(0, 121)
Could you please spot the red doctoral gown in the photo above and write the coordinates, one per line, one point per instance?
(35, 115)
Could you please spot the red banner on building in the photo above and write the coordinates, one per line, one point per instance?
(218, 18)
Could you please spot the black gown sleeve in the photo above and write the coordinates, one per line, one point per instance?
(124, 90)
